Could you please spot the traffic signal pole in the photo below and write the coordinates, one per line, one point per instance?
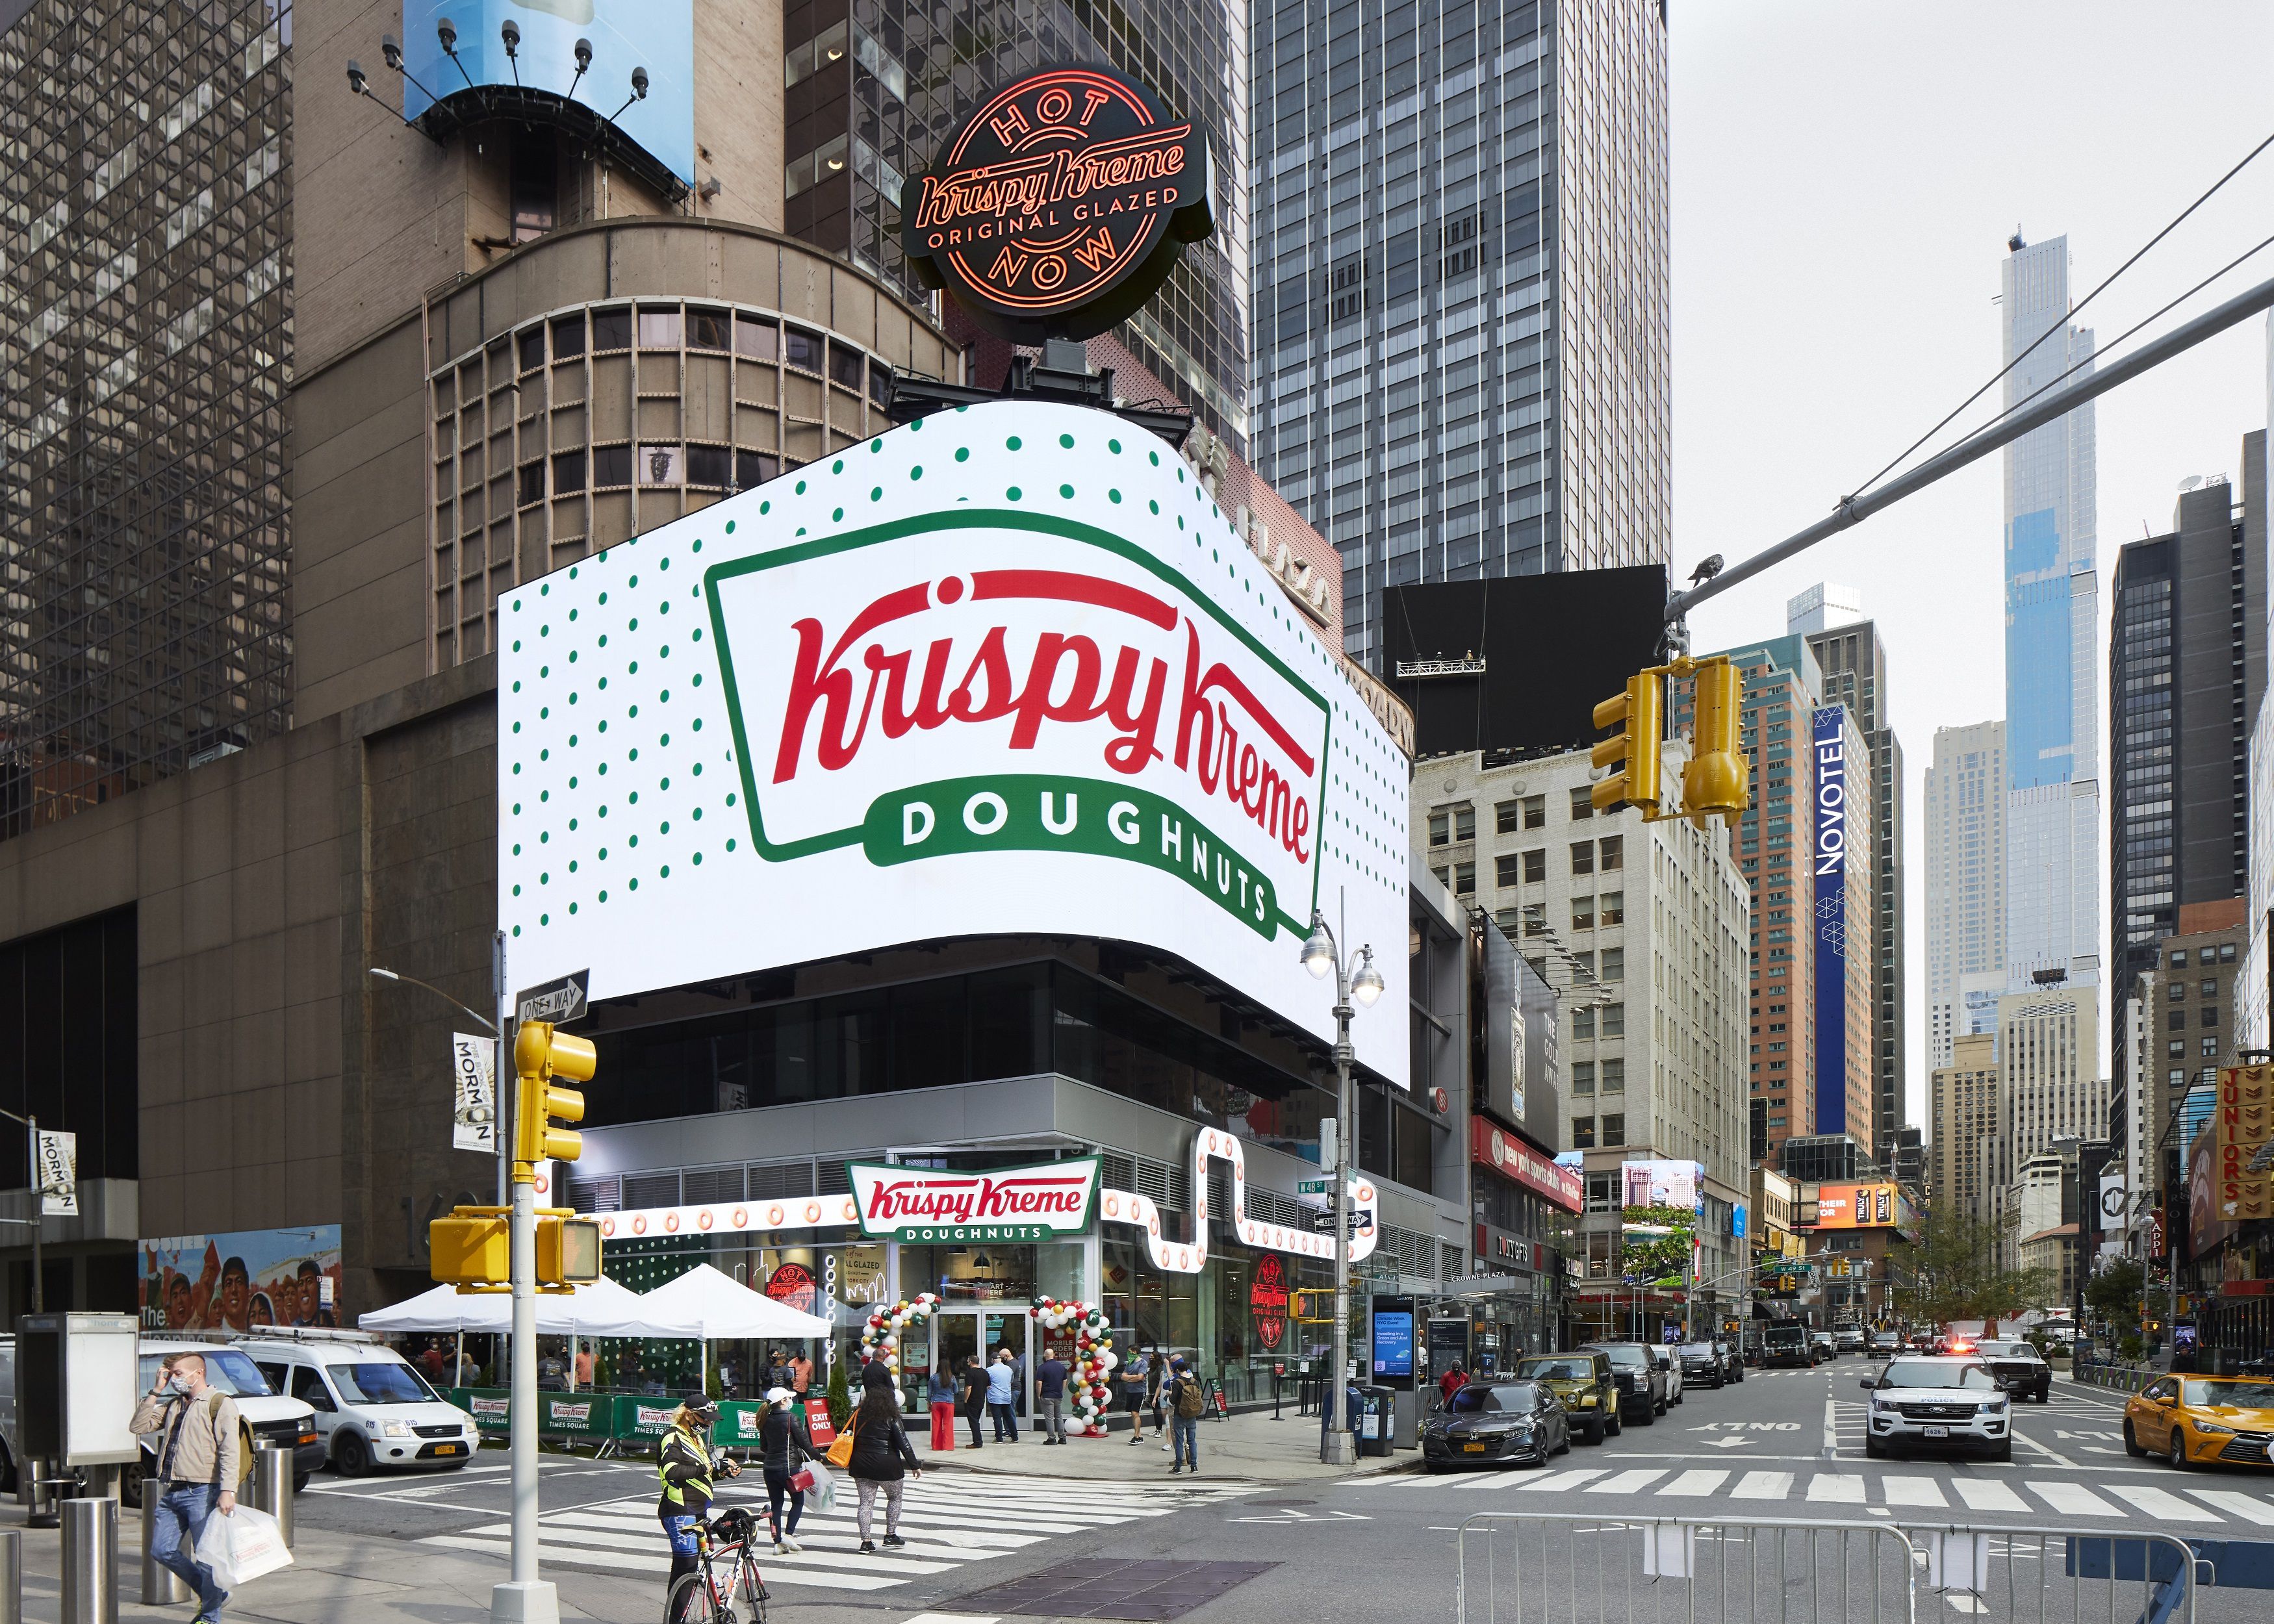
(527, 1599)
(1853, 510)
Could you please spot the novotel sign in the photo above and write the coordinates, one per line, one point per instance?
(1829, 852)
(1060, 205)
(1005, 670)
(918, 1204)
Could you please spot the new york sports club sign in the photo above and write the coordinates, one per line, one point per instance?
(1006, 669)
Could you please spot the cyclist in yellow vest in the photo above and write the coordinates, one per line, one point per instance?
(684, 1461)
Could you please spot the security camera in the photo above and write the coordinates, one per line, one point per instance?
(446, 31)
(583, 56)
(639, 83)
(354, 77)
(509, 31)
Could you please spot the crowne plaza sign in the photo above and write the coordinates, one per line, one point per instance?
(1005, 670)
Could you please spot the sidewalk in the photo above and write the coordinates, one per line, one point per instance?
(1251, 1446)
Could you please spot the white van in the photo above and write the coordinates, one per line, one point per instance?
(287, 1423)
(372, 1406)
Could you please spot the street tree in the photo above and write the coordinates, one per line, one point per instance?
(1957, 1270)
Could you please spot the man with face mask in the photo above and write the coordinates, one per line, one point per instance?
(196, 1473)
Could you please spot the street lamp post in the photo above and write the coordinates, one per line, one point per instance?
(1320, 955)
(39, 1188)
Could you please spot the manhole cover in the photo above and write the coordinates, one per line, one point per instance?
(1133, 1590)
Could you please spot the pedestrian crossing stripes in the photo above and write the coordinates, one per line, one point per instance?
(950, 1521)
(1897, 1493)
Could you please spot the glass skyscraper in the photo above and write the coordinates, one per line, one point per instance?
(1461, 286)
(2053, 702)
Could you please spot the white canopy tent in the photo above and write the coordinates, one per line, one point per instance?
(599, 1308)
(443, 1309)
(709, 1306)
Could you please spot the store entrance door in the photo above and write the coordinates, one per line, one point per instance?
(963, 1332)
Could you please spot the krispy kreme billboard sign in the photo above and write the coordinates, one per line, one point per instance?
(1005, 670)
(922, 1205)
(1060, 205)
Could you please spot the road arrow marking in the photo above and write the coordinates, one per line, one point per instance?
(1725, 1443)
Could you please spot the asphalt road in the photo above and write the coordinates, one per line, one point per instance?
(1776, 1464)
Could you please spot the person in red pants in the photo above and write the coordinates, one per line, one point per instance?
(941, 1389)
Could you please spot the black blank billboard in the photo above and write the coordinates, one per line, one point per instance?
(1554, 646)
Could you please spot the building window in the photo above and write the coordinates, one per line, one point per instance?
(2208, 1017)
(710, 465)
(1505, 816)
(2176, 1020)
(1615, 1129)
(1583, 803)
(1585, 963)
(2210, 989)
(1505, 870)
(1582, 1133)
(1614, 964)
(658, 327)
(756, 338)
(2176, 1048)
(708, 329)
(2226, 952)
(2178, 959)
(1583, 857)
(1465, 879)
(567, 472)
(1583, 912)
(1604, 1191)
(2209, 1047)
(801, 349)
(1583, 1077)
(1535, 867)
(612, 328)
(755, 467)
(612, 465)
(1535, 920)
(1440, 829)
(1535, 811)
(1613, 1076)
(1614, 907)
(2178, 989)
(532, 480)
(1583, 1023)
(1615, 1021)
(1614, 852)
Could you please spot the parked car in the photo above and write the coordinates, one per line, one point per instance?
(273, 1416)
(1661, 1354)
(1786, 1344)
(1849, 1339)
(2195, 1421)
(1584, 1382)
(372, 1406)
(1642, 1385)
(1950, 1404)
(1496, 1425)
(1733, 1361)
(2020, 1367)
(1701, 1363)
(1821, 1347)
(1885, 1344)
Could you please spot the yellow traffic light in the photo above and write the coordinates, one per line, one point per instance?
(540, 1055)
(1715, 779)
(1642, 708)
(470, 1248)
(567, 1249)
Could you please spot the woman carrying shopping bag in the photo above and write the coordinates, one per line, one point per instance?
(784, 1445)
(882, 1456)
(939, 1389)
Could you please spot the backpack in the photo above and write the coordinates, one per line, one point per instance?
(243, 1435)
(1191, 1403)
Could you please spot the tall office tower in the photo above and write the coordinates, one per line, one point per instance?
(1965, 884)
(2052, 721)
(145, 333)
(2049, 1079)
(875, 89)
(1461, 273)
(1964, 1124)
(2187, 661)
(1855, 666)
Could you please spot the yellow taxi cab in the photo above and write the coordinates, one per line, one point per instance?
(2199, 1420)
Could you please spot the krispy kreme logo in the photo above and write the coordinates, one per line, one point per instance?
(1019, 1203)
(1060, 204)
(1043, 697)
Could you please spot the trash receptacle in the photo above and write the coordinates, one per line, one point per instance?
(1376, 1420)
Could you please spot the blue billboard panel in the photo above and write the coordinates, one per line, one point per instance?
(655, 34)
(1393, 1342)
(1829, 853)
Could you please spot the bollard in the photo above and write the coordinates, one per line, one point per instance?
(270, 1487)
(161, 1586)
(35, 1492)
(11, 1576)
(90, 1561)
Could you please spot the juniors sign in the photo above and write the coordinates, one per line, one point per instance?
(1060, 205)
(1003, 671)
(921, 1205)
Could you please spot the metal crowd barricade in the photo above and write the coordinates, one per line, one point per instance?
(1527, 1568)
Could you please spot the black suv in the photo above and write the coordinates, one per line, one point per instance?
(1642, 1385)
(1701, 1365)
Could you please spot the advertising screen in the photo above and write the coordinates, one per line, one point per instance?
(1393, 1342)
(1661, 1183)
(655, 34)
(234, 1281)
(1858, 1206)
(1005, 670)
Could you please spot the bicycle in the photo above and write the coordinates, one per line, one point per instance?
(725, 1587)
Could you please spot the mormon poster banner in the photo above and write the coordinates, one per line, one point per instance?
(1004, 669)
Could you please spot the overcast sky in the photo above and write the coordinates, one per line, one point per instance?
(1845, 177)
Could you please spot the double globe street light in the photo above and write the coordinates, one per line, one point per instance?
(1321, 954)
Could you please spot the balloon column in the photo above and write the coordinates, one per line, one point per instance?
(1094, 1357)
(880, 1338)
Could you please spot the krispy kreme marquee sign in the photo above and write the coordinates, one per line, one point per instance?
(918, 1204)
(1059, 206)
(1003, 671)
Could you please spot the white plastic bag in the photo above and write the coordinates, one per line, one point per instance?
(821, 1499)
(246, 1543)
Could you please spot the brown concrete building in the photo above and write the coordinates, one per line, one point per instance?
(495, 354)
